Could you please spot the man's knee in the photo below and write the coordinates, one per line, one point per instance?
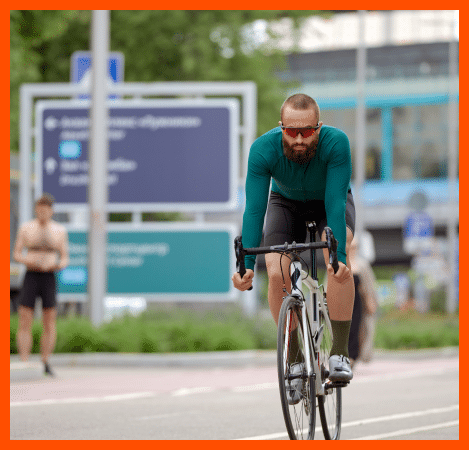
(26, 316)
(347, 278)
(48, 318)
(274, 270)
(275, 276)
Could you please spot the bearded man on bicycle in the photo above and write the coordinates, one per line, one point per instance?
(310, 167)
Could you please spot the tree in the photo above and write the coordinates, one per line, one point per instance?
(41, 43)
(157, 46)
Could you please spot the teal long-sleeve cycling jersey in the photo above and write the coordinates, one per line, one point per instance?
(326, 177)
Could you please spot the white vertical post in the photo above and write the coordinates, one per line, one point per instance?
(25, 195)
(249, 298)
(98, 157)
(249, 125)
(249, 301)
(451, 295)
(360, 131)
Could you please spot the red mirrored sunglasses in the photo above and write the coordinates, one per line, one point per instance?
(304, 131)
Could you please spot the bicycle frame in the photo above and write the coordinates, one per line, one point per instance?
(313, 301)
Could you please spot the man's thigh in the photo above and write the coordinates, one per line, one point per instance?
(48, 290)
(29, 290)
(286, 220)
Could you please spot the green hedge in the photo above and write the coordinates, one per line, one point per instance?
(412, 330)
(160, 332)
(180, 330)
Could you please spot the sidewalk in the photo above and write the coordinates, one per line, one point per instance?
(20, 371)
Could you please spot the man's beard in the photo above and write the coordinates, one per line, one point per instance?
(303, 156)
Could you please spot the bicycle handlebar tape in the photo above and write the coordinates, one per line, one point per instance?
(332, 247)
(239, 252)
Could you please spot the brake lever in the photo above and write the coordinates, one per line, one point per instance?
(239, 252)
(332, 247)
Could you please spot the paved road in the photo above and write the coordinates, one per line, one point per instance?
(403, 396)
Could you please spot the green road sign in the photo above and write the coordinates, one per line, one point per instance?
(183, 261)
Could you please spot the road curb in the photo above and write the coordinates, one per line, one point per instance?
(33, 370)
(25, 371)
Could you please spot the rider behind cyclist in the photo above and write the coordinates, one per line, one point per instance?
(310, 167)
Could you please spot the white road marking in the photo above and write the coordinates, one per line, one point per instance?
(190, 391)
(107, 398)
(240, 389)
(255, 387)
(358, 379)
(373, 420)
(402, 416)
(407, 431)
(158, 416)
(404, 375)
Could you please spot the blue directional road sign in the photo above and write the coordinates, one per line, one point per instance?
(164, 155)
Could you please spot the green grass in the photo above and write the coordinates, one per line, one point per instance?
(184, 330)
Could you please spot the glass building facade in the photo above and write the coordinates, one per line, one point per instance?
(404, 142)
(407, 97)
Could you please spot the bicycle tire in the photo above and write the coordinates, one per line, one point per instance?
(300, 418)
(330, 404)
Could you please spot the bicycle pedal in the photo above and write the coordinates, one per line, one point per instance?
(337, 384)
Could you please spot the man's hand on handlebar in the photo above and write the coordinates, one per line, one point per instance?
(342, 275)
(245, 283)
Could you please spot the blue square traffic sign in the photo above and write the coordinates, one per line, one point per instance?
(81, 65)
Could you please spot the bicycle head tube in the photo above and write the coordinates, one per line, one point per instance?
(295, 274)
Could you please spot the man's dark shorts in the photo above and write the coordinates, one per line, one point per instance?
(286, 219)
(39, 284)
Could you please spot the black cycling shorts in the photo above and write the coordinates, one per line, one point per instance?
(286, 219)
(39, 284)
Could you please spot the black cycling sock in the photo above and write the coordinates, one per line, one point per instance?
(340, 333)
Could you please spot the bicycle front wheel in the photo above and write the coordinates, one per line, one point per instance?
(297, 389)
(330, 404)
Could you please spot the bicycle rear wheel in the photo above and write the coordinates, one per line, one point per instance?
(297, 390)
(330, 404)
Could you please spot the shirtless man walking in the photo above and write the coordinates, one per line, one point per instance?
(46, 245)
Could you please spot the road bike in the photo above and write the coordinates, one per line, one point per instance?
(303, 374)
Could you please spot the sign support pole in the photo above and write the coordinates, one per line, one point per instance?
(452, 234)
(98, 168)
(360, 138)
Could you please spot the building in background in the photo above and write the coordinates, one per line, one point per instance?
(407, 98)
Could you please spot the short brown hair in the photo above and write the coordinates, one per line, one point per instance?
(45, 199)
(300, 101)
